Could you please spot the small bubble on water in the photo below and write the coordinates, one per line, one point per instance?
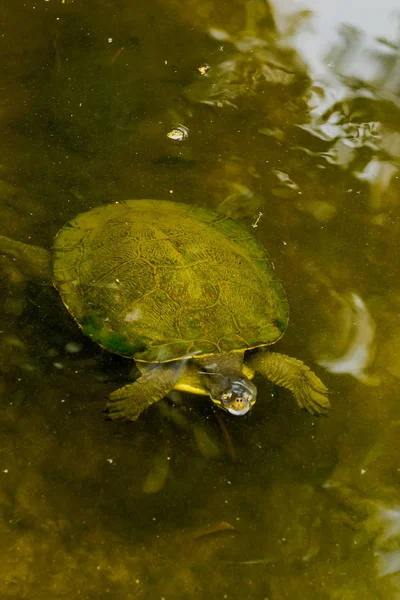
(180, 133)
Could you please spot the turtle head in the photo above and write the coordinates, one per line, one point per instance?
(235, 394)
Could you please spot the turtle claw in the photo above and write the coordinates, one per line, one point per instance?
(125, 408)
(131, 400)
(122, 410)
(311, 394)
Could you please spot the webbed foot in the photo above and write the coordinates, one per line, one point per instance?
(123, 404)
(309, 391)
(131, 400)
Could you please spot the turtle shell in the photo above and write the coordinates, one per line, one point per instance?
(158, 281)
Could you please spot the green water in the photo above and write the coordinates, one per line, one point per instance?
(295, 131)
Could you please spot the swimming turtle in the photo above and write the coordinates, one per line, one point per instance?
(186, 292)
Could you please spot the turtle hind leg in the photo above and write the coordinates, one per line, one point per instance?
(131, 400)
(308, 390)
(32, 261)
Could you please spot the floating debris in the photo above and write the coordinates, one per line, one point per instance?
(157, 475)
(207, 447)
(116, 55)
(73, 347)
(256, 222)
(213, 528)
(229, 445)
(256, 561)
(203, 69)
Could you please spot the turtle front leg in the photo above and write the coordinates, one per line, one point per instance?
(131, 400)
(33, 261)
(308, 390)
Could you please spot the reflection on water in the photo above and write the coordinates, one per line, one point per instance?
(350, 341)
(294, 130)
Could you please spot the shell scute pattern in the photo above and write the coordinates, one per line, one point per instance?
(160, 280)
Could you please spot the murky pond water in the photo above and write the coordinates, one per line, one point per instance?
(286, 116)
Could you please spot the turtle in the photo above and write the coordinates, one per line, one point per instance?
(186, 292)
